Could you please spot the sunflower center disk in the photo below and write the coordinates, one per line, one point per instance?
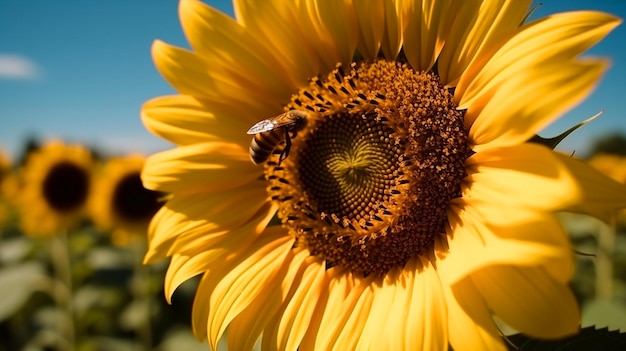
(65, 188)
(368, 180)
(133, 202)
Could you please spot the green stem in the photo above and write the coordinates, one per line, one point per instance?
(142, 293)
(604, 260)
(62, 266)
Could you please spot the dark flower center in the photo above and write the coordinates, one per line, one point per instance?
(66, 187)
(369, 179)
(132, 202)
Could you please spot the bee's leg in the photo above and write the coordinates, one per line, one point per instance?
(285, 152)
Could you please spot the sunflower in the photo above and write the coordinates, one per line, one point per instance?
(411, 208)
(120, 202)
(56, 181)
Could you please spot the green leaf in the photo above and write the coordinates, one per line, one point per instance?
(14, 249)
(605, 313)
(588, 338)
(18, 282)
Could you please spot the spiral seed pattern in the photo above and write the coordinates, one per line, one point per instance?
(368, 181)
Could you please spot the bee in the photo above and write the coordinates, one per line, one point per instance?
(270, 132)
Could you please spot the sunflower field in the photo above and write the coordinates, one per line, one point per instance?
(335, 175)
(73, 230)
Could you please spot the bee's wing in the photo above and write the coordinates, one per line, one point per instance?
(262, 126)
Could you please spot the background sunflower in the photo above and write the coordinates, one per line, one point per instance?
(56, 184)
(120, 203)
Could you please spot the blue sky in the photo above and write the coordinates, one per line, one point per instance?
(79, 71)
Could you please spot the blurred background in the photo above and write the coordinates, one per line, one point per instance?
(78, 72)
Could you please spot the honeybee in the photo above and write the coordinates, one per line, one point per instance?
(270, 132)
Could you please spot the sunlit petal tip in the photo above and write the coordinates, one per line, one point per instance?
(537, 167)
(196, 16)
(493, 126)
(476, 31)
(568, 35)
(597, 195)
(184, 120)
(181, 268)
(187, 168)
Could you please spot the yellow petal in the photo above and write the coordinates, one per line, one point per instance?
(477, 29)
(478, 238)
(202, 304)
(248, 279)
(394, 27)
(192, 220)
(408, 303)
(532, 78)
(191, 74)
(245, 329)
(288, 39)
(229, 48)
(226, 210)
(210, 166)
(600, 196)
(424, 32)
(287, 328)
(554, 40)
(182, 268)
(418, 311)
(227, 247)
(335, 24)
(184, 120)
(343, 291)
(470, 324)
(164, 229)
(371, 20)
(190, 240)
(529, 300)
(524, 99)
(525, 176)
(353, 329)
(377, 311)
(235, 253)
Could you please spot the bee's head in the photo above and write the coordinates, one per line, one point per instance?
(299, 118)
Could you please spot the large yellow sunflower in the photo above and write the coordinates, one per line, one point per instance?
(56, 183)
(120, 202)
(411, 208)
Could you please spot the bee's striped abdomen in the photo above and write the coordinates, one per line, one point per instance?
(263, 144)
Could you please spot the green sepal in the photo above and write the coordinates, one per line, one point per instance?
(554, 141)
